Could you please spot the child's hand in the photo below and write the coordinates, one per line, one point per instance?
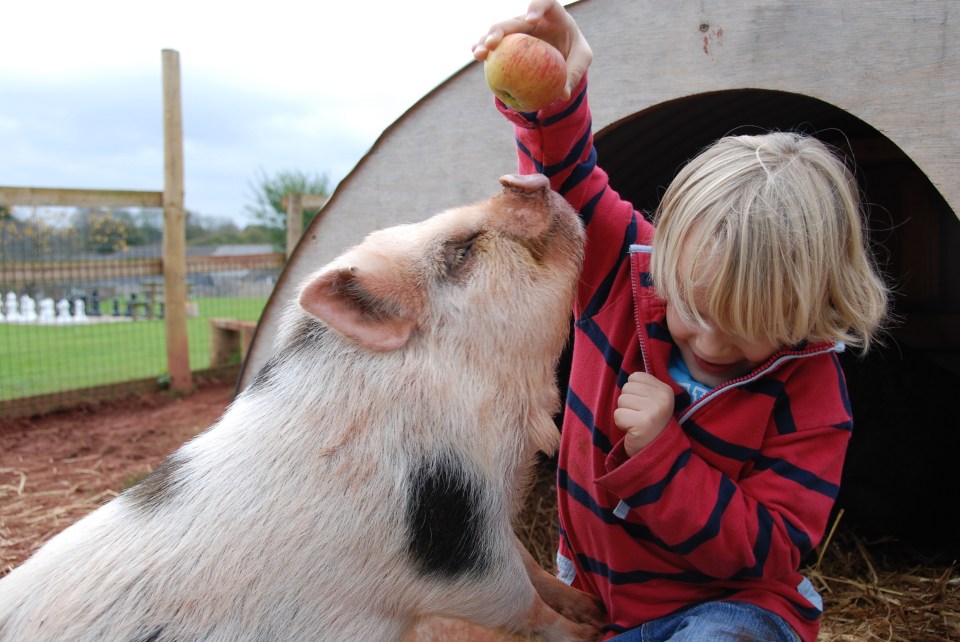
(547, 20)
(643, 410)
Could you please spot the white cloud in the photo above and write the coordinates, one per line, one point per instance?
(265, 86)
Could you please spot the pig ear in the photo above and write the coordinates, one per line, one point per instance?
(339, 299)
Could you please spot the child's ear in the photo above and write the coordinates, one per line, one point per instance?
(341, 299)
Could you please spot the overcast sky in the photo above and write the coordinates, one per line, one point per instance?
(266, 86)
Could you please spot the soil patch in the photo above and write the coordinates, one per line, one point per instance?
(57, 467)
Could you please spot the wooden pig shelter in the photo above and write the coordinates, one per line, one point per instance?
(878, 79)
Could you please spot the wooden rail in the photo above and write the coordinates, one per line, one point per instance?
(173, 266)
(41, 196)
(174, 228)
(295, 203)
(15, 274)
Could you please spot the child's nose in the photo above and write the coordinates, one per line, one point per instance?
(712, 345)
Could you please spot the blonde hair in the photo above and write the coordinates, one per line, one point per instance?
(770, 227)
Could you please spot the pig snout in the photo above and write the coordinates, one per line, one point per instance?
(525, 182)
(530, 211)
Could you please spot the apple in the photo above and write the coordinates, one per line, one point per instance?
(525, 72)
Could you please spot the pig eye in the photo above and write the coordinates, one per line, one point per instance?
(458, 253)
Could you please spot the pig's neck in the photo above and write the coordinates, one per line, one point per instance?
(494, 414)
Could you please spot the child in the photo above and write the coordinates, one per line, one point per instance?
(707, 418)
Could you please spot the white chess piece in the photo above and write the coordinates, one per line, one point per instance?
(63, 311)
(28, 309)
(46, 311)
(13, 313)
(79, 310)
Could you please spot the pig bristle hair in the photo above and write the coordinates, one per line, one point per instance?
(299, 514)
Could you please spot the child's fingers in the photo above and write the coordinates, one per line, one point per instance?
(492, 38)
(577, 64)
(536, 10)
(643, 383)
(534, 22)
(641, 376)
(548, 20)
(629, 419)
(510, 25)
(487, 43)
(629, 401)
(646, 394)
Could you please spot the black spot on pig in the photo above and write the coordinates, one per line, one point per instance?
(446, 521)
(159, 487)
(263, 376)
(307, 333)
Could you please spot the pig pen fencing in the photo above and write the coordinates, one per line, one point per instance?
(88, 312)
(81, 324)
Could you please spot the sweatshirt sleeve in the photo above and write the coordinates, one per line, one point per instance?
(557, 141)
(762, 520)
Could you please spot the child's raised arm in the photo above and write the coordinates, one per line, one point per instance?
(549, 21)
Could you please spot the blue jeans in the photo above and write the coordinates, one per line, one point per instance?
(714, 622)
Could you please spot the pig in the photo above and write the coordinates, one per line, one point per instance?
(368, 475)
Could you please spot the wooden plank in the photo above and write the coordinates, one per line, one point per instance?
(307, 201)
(295, 204)
(105, 269)
(201, 264)
(229, 337)
(294, 221)
(67, 271)
(51, 196)
(174, 228)
(312, 201)
(40, 404)
(86, 397)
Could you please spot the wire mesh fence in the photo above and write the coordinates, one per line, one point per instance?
(82, 310)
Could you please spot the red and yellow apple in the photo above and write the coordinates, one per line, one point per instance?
(525, 72)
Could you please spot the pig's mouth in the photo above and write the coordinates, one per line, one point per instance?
(563, 238)
(537, 248)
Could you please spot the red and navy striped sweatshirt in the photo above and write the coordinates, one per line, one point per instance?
(737, 488)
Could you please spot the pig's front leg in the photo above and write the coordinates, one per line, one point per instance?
(557, 597)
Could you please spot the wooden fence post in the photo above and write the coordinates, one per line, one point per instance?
(174, 228)
(294, 203)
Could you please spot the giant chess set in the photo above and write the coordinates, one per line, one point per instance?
(25, 310)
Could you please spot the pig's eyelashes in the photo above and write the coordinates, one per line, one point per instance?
(458, 254)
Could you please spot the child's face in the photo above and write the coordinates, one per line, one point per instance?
(712, 356)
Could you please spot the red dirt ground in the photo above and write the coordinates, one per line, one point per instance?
(57, 467)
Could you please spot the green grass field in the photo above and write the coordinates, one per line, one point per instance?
(41, 359)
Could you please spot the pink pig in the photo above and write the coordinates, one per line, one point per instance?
(368, 475)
